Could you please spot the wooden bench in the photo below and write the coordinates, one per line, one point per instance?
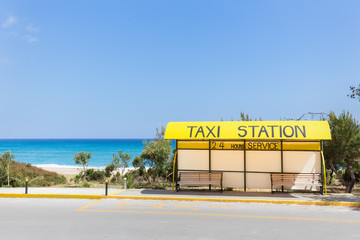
(295, 179)
(199, 179)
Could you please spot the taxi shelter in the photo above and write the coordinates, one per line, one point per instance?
(248, 152)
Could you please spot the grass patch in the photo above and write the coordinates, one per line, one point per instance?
(37, 177)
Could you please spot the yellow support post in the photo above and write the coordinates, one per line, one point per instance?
(174, 171)
(323, 161)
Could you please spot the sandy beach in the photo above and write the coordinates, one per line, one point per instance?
(65, 170)
(69, 170)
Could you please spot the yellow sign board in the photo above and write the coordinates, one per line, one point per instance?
(271, 146)
(252, 130)
(250, 145)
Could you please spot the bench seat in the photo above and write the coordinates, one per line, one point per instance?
(199, 179)
(295, 179)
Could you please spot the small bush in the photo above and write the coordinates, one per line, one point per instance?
(87, 185)
(37, 176)
(95, 175)
(78, 178)
(346, 174)
(116, 178)
(130, 180)
(109, 169)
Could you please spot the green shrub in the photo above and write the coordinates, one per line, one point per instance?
(36, 176)
(109, 169)
(78, 178)
(95, 175)
(87, 185)
(130, 179)
(346, 174)
(3, 176)
(116, 178)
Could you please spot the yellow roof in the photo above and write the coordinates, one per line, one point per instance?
(262, 130)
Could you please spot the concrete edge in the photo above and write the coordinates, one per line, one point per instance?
(80, 196)
(42, 195)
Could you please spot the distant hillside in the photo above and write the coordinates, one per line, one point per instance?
(37, 177)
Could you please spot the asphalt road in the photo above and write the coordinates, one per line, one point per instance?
(145, 219)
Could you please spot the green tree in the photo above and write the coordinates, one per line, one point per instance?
(154, 161)
(121, 161)
(7, 158)
(355, 92)
(109, 170)
(342, 151)
(246, 117)
(3, 177)
(82, 158)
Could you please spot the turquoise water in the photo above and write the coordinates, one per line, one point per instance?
(61, 151)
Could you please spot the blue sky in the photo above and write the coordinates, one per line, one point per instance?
(119, 69)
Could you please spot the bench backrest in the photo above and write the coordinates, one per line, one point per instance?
(300, 178)
(200, 177)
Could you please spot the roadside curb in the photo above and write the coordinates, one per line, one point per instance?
(84, 196)
(41, 195)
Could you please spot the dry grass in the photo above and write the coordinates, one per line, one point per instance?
(19, 172)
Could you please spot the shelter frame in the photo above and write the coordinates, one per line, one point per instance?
(248, 152)
(245, 172)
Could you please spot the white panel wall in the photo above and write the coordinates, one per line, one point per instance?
(263, 161)
(227, 160)
(235, 180)
(258, 181)
(302, 162)
(193, 159)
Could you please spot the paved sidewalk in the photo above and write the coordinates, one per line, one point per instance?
(194, 195)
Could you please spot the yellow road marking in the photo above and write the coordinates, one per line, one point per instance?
(221, 207)
(186, 206)
(122, 204)
(86, 206)
(122, 190)
(158, 206)
(227, 215)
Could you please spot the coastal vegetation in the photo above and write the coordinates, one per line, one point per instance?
(82, 159)
(120, 162)
(342, 152)
(355, 92)
(7, 159)
(154, 165)
(21, 171)
(152, 169)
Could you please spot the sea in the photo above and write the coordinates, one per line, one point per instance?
(60, 152)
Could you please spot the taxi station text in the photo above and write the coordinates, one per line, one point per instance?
(251, 131)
